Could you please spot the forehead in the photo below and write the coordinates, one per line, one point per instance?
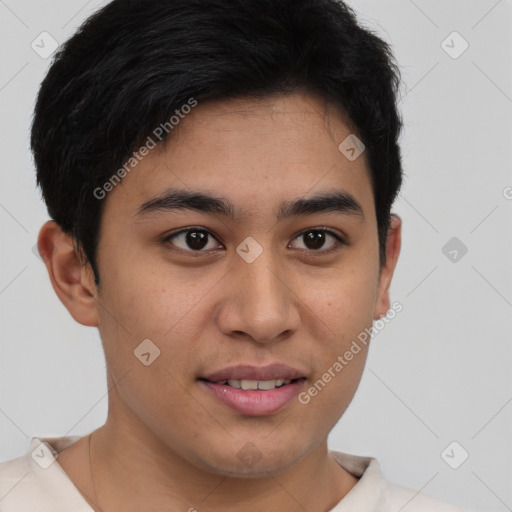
(256, 152)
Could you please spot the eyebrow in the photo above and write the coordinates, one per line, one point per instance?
(337, 201)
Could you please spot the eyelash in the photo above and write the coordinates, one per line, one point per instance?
(339, 241)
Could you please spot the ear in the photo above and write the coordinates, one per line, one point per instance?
(72, 281)
(393, 244)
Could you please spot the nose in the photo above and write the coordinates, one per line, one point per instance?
(260, 302)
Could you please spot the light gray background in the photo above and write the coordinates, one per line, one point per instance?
(440, 372)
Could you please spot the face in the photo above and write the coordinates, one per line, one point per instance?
(252, 280)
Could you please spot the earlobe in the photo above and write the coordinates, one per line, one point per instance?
(71, 280)
(393, 245)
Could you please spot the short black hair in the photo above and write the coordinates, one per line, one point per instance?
(133, 63)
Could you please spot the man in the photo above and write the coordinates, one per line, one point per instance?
(220, 177)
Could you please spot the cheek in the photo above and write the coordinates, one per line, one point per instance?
(345, 307)
(346, 301)
(143, 306)
(137, 307)
(326, 398)
(147, 299)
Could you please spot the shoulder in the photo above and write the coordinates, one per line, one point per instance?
(16, 477)
(14, 470)
(405, 499)
(35, 481)
(374, 493)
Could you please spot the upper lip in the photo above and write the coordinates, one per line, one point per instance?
(249, 372)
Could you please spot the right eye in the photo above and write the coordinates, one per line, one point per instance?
(192, 240)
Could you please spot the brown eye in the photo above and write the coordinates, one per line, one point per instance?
(316, 239)
(192, 240)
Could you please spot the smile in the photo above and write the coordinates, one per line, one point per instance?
(254, 397)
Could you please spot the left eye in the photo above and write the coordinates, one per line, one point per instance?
(314, 239)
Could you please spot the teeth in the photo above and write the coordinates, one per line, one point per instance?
(256, 384)
(248, 384)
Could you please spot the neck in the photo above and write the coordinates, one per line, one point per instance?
(168, 482)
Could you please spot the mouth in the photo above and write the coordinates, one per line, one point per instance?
(255, 400)
(251, 385)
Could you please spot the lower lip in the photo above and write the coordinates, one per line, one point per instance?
(255, 402)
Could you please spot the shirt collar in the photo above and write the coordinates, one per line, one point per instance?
(368, 494)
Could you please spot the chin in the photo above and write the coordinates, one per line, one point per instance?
(251, 462)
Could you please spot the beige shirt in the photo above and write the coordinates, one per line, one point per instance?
(37, 483)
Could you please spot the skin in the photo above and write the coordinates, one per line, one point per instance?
(215, 310)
